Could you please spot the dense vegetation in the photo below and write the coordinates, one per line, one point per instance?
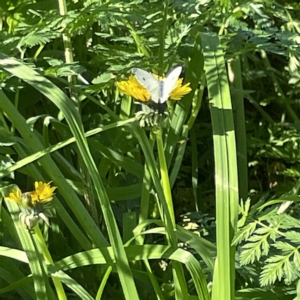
(103, 200)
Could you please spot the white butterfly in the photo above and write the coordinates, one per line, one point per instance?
(159, 89)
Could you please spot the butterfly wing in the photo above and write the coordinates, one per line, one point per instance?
(149, 82)
(169, 84)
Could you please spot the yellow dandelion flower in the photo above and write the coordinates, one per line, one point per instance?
(23, 199)
(180, 90)
(33, 203)
(133, 88)
(16, 196)
(43, 192)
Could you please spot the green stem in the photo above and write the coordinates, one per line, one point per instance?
(165, 175)
(181, 291)
(17, 94)
(196, 105)
(38, 51)
(103, 283)
(158, 292)
(47, 256)
(68, 49)
(145, 197)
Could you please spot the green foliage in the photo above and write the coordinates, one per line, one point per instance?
(271, 241)
(62, 119)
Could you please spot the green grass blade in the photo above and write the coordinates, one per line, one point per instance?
(11, 273)
(235, 77)
(225, 166)
(41, 283)
(14, 254)
(73, 285)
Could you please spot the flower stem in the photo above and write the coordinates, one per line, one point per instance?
(43, 247)
(165, 175)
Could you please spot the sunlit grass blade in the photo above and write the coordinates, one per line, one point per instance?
(41, 284)
(203, 247)
(10, 273)
(225, 166)
(14, 253)
(23, 286)
(235, 77)
(73, 285)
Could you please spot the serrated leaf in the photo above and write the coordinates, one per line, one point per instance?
(272, 271)
(103, 78)
(293, 236)
(244, 233)
(284, 246)
(263, 230)
(296, 259)
(36, 38)
(290, 222)
(290, 273)
(265, 246)
(257, 238)
(276, 259)
(252, 253)
(65, 70)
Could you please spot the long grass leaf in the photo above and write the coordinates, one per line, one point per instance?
(41, 283)
(225, 166)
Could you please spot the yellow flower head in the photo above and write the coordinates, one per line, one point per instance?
(23, 199)
(33, 203)
(133, 88)
(16, 196)
(43, 192)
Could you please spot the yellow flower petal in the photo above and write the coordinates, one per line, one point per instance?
(133, 88)
(15, 195)
(180, 90)
(43, 192)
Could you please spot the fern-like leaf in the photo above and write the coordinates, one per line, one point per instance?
(273, 269)
(244, 233)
